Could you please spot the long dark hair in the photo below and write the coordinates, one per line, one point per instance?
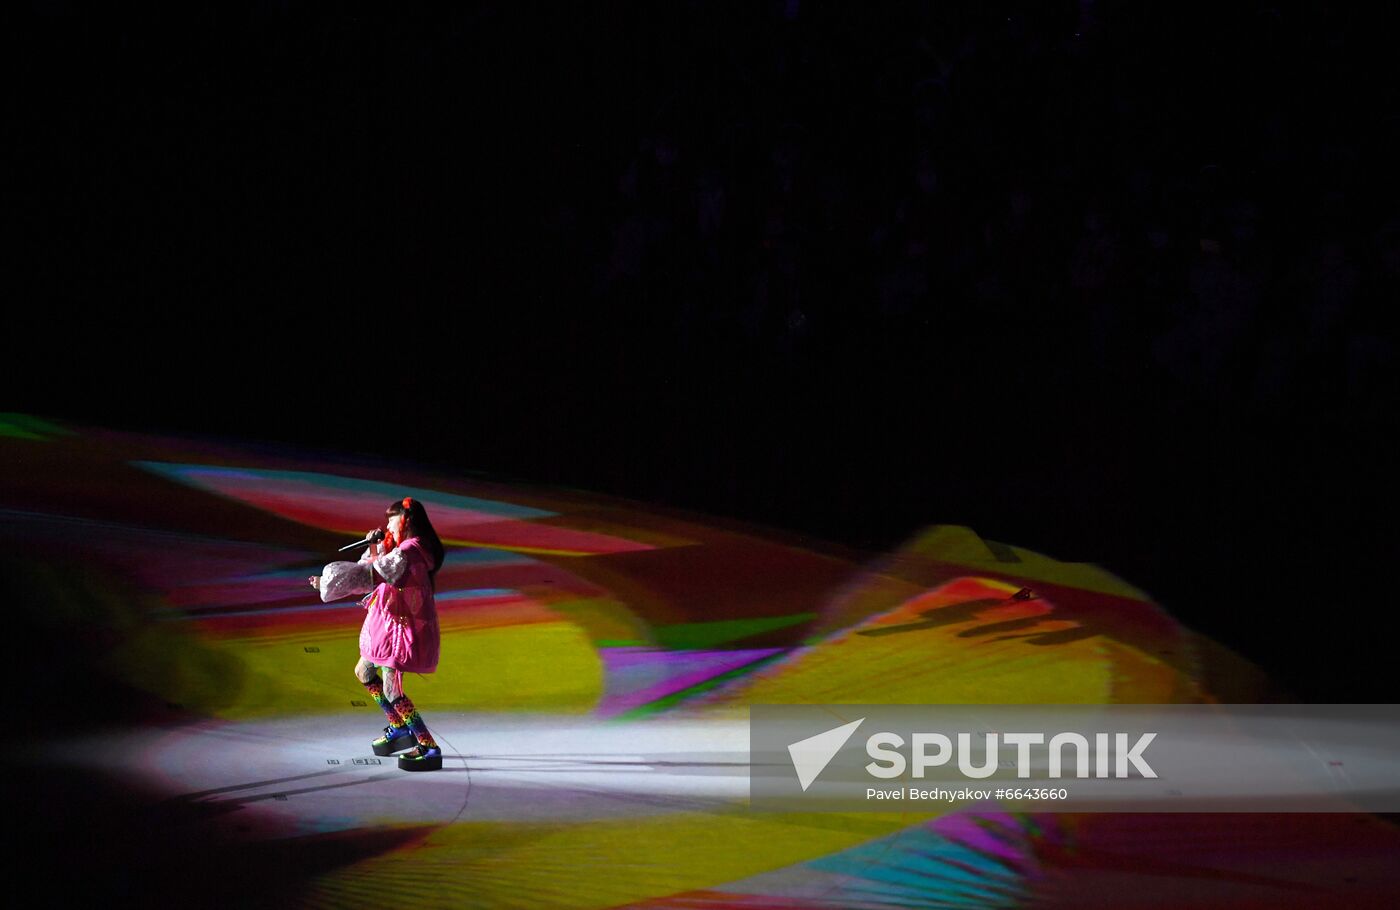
(421, 527)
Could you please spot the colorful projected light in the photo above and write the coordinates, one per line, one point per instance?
(598, 664)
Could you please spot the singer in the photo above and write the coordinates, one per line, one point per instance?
(400, 631)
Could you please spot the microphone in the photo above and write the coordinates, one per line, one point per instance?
(374, 537)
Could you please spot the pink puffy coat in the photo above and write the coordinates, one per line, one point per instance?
(401, 625)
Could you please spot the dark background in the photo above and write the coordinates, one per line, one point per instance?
(1115, 282)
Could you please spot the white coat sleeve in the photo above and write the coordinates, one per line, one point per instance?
(392, 565)
(341, 579)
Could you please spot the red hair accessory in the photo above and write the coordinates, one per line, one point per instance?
(396, 540)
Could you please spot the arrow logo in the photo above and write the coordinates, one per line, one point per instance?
(811, 755)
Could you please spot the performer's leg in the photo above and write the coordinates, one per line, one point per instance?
(393, 684)
(404, 705)
(396, 736)
(427, 757)
(368, 675)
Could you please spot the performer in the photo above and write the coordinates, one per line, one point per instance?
(400, 631)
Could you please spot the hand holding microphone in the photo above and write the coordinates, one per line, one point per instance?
(374, 536)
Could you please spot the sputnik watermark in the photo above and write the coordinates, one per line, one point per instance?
(890, 762)
(1132, 758)
(812, 754)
